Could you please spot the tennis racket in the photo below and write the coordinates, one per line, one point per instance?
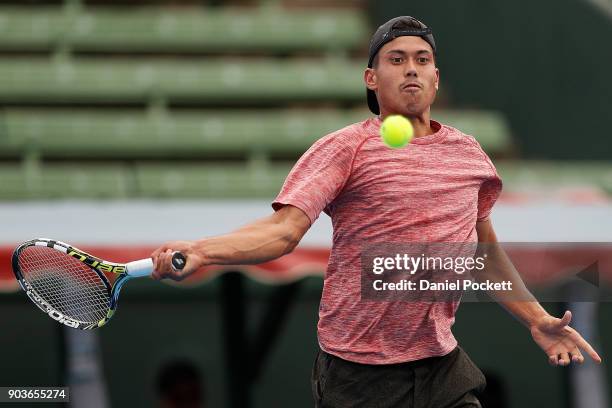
(70, 285)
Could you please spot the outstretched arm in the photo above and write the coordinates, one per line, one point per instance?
(561, 343)
(263, 240)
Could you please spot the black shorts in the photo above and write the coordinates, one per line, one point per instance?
(450, 381)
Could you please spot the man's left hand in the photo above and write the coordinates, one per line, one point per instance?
(561, 343)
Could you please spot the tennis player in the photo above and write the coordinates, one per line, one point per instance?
(441, 188)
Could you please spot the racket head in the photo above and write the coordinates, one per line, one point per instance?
(66, 283)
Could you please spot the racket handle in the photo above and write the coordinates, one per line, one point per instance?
(178, 261)
(137, 269)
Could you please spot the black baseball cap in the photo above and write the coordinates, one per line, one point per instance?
(396, 27)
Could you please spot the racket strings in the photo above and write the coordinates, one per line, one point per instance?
(66, 284)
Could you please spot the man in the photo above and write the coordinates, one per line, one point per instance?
(440, 188)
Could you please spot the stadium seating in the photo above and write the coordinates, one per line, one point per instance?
(226, 180)
(166, 108)
(63, 181)
(107, 154)
(123, 135)
(203, 82)
(546, 174)
(176, 30)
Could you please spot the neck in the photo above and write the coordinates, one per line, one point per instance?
(420, 123)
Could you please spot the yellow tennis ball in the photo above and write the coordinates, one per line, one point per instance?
(396, 131)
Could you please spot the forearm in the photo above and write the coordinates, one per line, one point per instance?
(560, 342)
(528, 313)
(499, 268)
(252, 244)
(519, 301)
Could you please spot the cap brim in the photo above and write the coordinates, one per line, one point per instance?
(373, 102)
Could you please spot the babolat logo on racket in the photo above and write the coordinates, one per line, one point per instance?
(96, 263)
(54, 314)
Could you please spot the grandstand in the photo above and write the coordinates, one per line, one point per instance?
(131, 95)
(105, 88)
(195, 101)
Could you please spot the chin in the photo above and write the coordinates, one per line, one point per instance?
(412, 110)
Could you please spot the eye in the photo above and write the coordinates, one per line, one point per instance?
(397, 60)
(423, 60)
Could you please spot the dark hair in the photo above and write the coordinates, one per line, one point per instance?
(375, 61)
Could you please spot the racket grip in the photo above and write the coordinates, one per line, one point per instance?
(178, 261)
(137, 269)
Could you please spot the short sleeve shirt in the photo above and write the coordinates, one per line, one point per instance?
(432, 190)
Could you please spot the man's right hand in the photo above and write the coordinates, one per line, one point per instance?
(162, 258)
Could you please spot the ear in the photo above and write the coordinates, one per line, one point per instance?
(370, 79)
(437, 82)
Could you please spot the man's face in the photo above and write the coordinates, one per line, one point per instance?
(405, 78)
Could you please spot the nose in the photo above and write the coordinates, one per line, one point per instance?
(410, 69)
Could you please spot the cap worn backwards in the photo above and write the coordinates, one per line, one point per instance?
(396, 27)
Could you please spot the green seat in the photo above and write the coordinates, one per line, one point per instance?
(144, 180)
(121, 135)
(209, 181)
(206, 134)
(64, 181)
(490, 128)
(534, 174)
(175, 30)
(199, 81)
(179, 180)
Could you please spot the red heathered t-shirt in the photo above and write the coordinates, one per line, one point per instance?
(433, 190)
